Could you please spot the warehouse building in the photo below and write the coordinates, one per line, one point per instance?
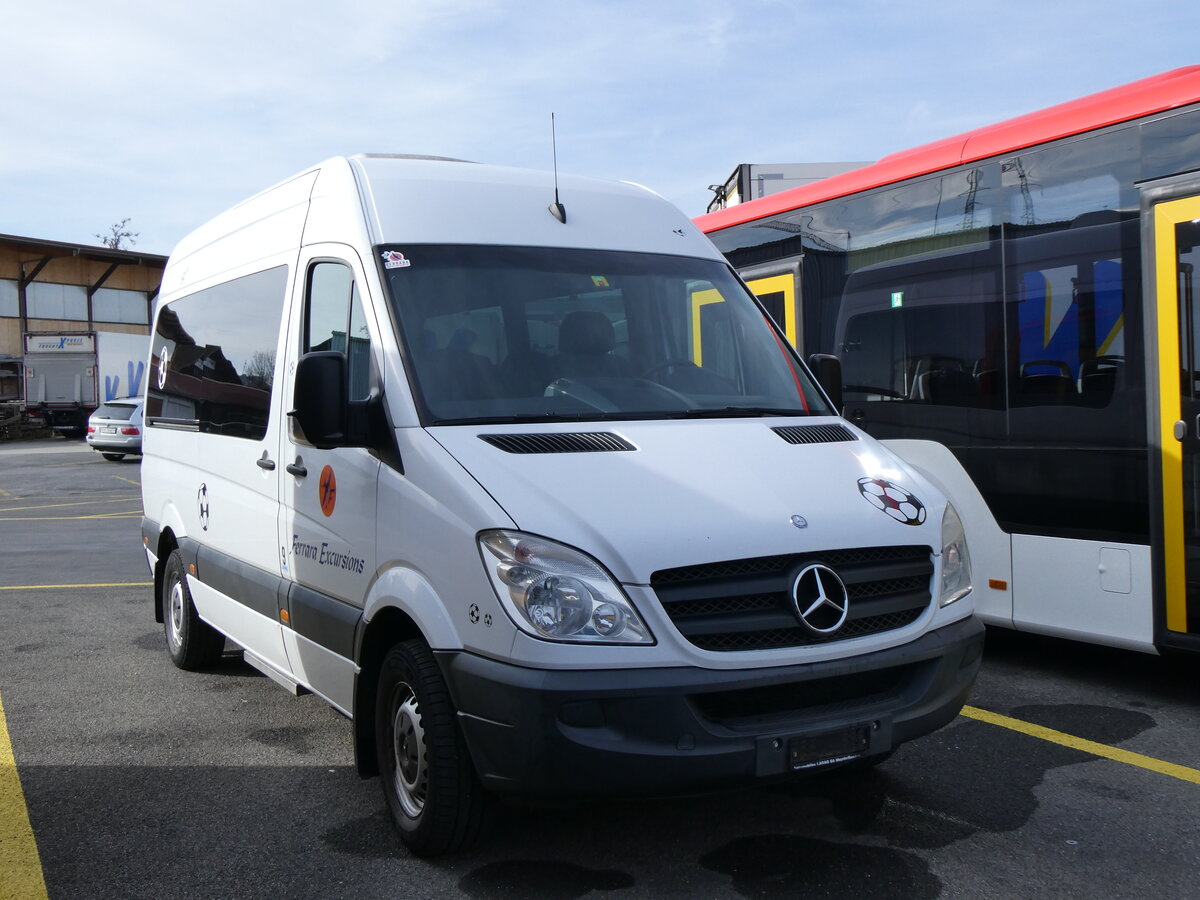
(53, 287)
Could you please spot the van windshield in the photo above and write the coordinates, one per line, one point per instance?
(529, 334)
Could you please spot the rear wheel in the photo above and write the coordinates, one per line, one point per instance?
(113, 457)
(435, 799)
(191, 642)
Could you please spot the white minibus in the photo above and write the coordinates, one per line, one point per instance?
(530, 488)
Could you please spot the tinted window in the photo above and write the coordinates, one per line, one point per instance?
(335, 321)
(213, 360)
(1061, 182)
(122, 411)
(504, 333)
(1171, 145)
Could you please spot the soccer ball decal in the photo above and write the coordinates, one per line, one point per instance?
(893, 500)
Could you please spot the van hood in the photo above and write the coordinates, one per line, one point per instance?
(697, 491)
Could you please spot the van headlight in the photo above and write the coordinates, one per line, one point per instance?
(956, 561)
(557, 593)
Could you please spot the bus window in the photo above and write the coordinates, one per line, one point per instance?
(777, 294)
(1069, 324)
(926, 332)
(871, 341)
(702, 300)
(711, 331)
(1054, 185)
(1071, 327)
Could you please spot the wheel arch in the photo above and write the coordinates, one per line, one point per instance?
(387, 627)
(171, 533)
(166, 544)
(402, 604)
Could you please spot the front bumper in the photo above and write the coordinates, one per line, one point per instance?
(550, 734)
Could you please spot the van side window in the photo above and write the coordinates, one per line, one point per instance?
(335, 321)
(213, 357)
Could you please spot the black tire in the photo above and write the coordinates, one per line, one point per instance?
(113, 457)
(429, 783)
(191, 642)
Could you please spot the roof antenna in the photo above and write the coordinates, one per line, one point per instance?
(556, 209)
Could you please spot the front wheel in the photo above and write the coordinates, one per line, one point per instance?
(191, 642)
(435, 799)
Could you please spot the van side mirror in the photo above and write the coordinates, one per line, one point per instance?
(319, 404)
(828, 371)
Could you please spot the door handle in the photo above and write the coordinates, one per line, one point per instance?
(265, 463)
(1180, 430)
(297, 468)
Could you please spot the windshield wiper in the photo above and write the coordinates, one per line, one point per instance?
(527, 418)
(725, 412)
(737, 412)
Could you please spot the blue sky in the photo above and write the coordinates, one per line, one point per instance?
(168, 113)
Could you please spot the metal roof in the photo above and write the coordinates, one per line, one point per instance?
(57, 249)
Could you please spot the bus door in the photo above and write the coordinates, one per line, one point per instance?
(1174, 225)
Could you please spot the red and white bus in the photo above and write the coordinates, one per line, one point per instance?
(1016, 311)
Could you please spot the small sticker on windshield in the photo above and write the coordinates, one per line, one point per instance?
(394, 259)
(599, 281)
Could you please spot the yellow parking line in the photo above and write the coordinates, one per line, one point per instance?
(136, 514)
(47, 587)
(63, 505)
(1067, 740)
(23, 879)
(4, 493)
(128, 481)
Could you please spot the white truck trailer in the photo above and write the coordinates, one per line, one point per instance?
(70, 373)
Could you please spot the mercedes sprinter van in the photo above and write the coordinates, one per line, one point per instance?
(531, 489)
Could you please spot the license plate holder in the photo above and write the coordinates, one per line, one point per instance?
(828, 748)
(108, 429)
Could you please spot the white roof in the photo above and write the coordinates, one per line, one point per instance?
(369, 200)
(441, 201)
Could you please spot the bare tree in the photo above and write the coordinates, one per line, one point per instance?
(119, 236)
(259, 370)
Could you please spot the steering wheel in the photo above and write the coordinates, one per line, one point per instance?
(577, 390)
(668, 364)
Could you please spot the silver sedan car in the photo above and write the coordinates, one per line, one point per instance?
(115, 429)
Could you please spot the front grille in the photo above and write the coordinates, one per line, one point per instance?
(747, 604)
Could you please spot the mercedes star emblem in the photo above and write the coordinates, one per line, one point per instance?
(820, 598)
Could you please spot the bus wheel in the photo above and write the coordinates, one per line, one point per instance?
(191, 642)
(435, 799)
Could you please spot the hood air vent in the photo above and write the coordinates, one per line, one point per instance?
(815, 434)
(558, 442)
